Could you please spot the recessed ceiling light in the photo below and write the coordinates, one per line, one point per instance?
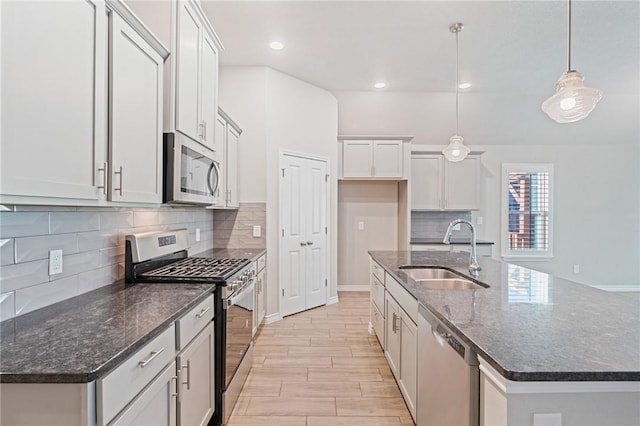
(464, 85)
(380, 85)
(276, 45)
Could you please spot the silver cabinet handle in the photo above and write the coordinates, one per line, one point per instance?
(200, 130)
(144, 362)
(188, 367)
(397, 327)
(309, 243)
(103, 169)
(393, 323)
(204, 132)
(202, 312)
(174, 382)
(303, 244)
(119, 173)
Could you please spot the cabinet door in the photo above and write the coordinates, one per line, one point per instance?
(135, 118)
(461, 184)
(209, 93)
(232, 167)
(387, 159)
(392, 334)
(156, 405)
(426, 182)
(221, 140)
(408, 361)
(260, 306)
(196, 376)
(53, 101)
(357, 159)
(187, 72)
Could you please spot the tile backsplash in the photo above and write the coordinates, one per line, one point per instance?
(425, 224)
(234, 228)
(92, 240)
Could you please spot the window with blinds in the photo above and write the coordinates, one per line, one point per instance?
(527, 213)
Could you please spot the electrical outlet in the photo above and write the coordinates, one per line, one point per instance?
(547, 419)
(197, 234)
(55, 262)
(361, 226)
(576, 269)
(257, 230)
(456, 227)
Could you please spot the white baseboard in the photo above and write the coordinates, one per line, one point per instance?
(332, 300)
(619, 288)
(353, 288)
(271, 318)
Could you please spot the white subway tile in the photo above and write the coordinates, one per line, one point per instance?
(6, 252)
(97, 278)
(21, 208)
(97, 240)
(34, 248)
(116, 220)
(146, 218)
(13, 277)
(112, 256)
(7, 305)
(75, 264)
(66, 222)
(31, 298)
(22, 224)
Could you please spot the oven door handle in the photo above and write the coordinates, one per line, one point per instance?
(232, 300)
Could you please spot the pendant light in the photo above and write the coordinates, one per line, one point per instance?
(572, 101)
(456, 150)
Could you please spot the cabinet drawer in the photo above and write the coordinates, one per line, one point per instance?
(262, 262)
(403, 297)
(190, 324)
(377, 320)
(377, 292)
(378, 271)
(121, 386)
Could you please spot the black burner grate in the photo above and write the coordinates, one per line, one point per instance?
(197, 267)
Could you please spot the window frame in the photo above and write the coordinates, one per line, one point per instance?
(506, 252)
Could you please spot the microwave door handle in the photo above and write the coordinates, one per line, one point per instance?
(213, 189)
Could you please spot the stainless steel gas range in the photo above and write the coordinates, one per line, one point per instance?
(163, 257)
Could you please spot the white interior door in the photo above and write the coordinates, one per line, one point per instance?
(303, 257)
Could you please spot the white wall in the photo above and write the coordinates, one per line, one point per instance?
(597, 193)
(375, 204)
(279, 112)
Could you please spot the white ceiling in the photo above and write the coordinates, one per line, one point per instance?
(508, 47)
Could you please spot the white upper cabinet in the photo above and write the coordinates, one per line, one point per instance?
(227, 137)
(53, 99)
(373, 159)
(54, 117)
(437, 184)
(191, 72)
(135, 116)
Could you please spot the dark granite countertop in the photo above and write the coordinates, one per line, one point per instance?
(83, 338)
(454, 241)
(528, 325)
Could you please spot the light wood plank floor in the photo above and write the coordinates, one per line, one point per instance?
(321, 368)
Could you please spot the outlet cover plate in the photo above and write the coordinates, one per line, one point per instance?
(55, 262)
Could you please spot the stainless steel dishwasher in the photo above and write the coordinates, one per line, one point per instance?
(448, 376)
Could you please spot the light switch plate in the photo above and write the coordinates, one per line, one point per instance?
(257, 230)
(361, 226)
(55, 262)
(197, 234)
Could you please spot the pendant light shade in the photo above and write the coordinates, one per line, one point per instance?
(572, 101)
(456, 150)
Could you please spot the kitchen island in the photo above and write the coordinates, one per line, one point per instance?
(545, 344)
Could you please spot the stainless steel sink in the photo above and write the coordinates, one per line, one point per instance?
(449, 284)
(429, 273)
(439, 279)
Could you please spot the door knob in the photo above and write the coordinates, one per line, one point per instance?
(309, 243)
(303, 244)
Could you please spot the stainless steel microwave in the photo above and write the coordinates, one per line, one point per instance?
(191, 172)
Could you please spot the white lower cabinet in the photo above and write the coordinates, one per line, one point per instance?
(392, 332)
(196, 376)
(408, 361)
(156, 405)
(261, 286)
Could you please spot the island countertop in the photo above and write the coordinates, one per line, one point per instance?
(528, 325)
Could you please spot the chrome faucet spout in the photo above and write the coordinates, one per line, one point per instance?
(474, 268)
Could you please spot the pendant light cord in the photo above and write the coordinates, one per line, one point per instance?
(569, 39)
(457, 82)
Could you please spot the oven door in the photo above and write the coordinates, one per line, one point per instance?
(191, 172)
(238, 330)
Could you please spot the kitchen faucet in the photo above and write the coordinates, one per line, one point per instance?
(474, 268)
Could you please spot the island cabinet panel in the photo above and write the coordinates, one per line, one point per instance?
(392, 334)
